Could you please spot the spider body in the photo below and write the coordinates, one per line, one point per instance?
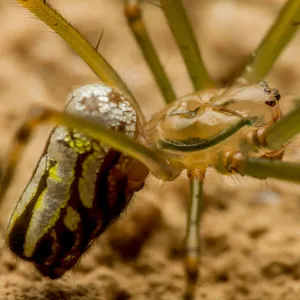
(81, 185)
(195, 128)
(78, 187)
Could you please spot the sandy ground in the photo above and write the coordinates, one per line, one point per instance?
(251, 229)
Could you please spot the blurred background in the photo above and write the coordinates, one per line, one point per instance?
(250, 232)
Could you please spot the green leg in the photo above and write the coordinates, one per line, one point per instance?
(282, 31)
(81, 46)
(276, 136)
(192, 242)
(283, 130)
(158, 166)
(261, 168)
(133, 14)
(185, 39)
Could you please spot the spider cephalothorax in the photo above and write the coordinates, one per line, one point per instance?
(195, 128)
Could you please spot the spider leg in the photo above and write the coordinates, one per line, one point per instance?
(277, 135)
(185, 39)
(283, 30)
(262, 168)
(133, 13)
(38, 115)
(45, 12)
(192, 241)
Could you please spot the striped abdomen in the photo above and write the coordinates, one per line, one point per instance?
(78, 188)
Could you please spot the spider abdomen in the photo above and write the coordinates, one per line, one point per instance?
(78, 187)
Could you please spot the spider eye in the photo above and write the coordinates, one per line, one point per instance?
(267, 90)
(277, 95)
(263, 84)
(271, 102)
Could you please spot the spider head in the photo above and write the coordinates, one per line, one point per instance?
(256, 101)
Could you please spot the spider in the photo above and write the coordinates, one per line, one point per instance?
(102, 149)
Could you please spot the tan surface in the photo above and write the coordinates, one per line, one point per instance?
(250, 233)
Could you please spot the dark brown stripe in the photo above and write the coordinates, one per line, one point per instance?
(117, 202)
(93, 221)
(16, 236)
(66, 239)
